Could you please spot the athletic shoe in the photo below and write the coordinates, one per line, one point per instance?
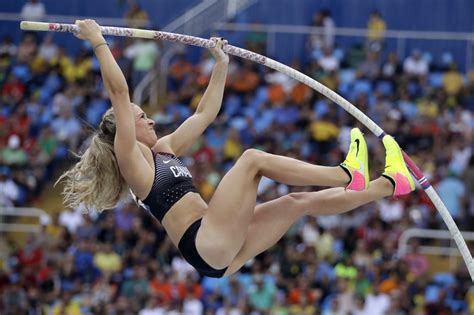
(356, 163)
(395, 168)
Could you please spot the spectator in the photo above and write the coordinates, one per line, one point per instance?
(417, 263)
(323, 132)
(193, 305)
(33, 10)
(154, 306)
(27, 49)
(14, 155)
(48, 50)
(245, 80)
(415, 66)
(71, 219)
(136, 16)
(137, 285)
(452, 191)
(9, 191)
(334, 308)
(13, 88)
(376, 302)
(14, 298)
(376, 31)
(262, 294)
(66, 305)
(328, 61)
(143, 54)
(7, 47)
(391, 69)
(324, 38)
(106, 260)
(370, 68)
(453, 83)
(67, 127)
(179, 69)
(47, 144)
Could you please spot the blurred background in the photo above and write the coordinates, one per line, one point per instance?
(409, 65)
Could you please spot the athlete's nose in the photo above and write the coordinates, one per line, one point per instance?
(151, 122)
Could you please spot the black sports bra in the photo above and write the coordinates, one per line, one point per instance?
(172, 181)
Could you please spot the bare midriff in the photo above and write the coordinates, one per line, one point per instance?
(190, 208)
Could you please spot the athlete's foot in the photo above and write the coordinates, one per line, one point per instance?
(356, 164)
(395, 168)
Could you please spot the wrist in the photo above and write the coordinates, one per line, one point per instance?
(222, 62)
(96, 40)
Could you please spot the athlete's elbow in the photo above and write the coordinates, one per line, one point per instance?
(119, 87)
(118, 92)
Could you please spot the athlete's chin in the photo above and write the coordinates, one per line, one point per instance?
(153, 140)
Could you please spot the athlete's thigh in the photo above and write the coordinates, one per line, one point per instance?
(271, 220)
(225, 224)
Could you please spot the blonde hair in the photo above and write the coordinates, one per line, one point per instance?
(95, 181)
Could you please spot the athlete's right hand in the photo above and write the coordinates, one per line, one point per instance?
(217, 51)
(89, 30)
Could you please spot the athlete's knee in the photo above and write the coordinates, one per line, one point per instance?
(252, 158)
(296, 202)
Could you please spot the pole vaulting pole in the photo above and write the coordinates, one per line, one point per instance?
(333, 96)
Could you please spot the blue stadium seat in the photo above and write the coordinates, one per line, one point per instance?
(347, 76)
(444, 279)
(384, 87)
(339, 54)
(435, 79)
(362, 86)
(432, 293)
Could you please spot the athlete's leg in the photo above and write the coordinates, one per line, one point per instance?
(298, 173)
(272, 219)
(224, 227)
(225, 224)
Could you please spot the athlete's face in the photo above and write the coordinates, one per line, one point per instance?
(144, 127)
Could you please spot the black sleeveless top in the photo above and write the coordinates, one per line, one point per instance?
(172, 181)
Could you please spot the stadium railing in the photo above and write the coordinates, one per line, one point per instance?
(439, 249)
(12, 225)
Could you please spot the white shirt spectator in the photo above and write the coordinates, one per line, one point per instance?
(415, 65)
(376, 304)
(231, 311)
(310, 233)
(328, 62)
(48, 49)
(153, 311)
(460, 160)
(71, 219)
(329, 31)
(8, 47)
(193, 306)
(8, 192)
(181, 267)
(282, 79)
(390, 210)
(33, 10)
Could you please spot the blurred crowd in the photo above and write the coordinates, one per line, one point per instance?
(121, 262)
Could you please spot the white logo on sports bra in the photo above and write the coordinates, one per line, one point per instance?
(180, 171)
(166, 162)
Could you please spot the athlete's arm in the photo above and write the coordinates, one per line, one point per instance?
(125, 146)
(208, 108)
